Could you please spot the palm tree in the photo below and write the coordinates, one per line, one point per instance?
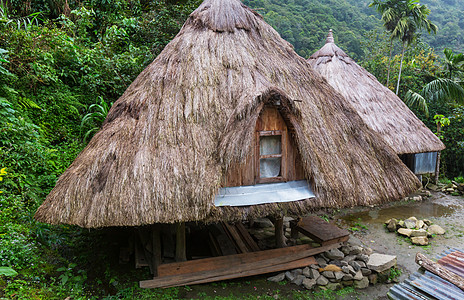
(454, 62)
(403, 18)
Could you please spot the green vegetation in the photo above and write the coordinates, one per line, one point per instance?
(62, 65)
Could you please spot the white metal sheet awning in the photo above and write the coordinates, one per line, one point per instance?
(264, 193)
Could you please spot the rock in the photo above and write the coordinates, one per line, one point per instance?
(420, 240)
(322, 281)
(339, 275)
(361, 264)
(321, 262)
(332, 268)
(417, 198)
(298, 279)
(419, 224)
(334, 254)
(405, 231)
(263, 223)
(355, 250)
(436, 229)
(362, 257)
(355, 265)
(410, 224)
(297, 272)
(366, 271)
(432, 187)
(348, 283)
(343, 263)
(349, 258)
(362, 284)
(347, 277)
(314, 274)
(348, 270)
(392, 225)
(387, 221)
(381, 262)
(373, 278)
(419, 232)
(328, 274)
(412, 219)
(277, 278)
(306, 271)
(313, 266)
(358, 275)
(368, 251)
(337, 263)
(401, 224)
(345, 249)
(333, 286)
(308, 283)
(289, 276)
(427, 222)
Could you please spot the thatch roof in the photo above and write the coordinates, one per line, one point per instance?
(169, 140)
(377, 105)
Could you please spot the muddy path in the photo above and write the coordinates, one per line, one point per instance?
(367, 226)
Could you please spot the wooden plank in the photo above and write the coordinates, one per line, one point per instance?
(275, 268)
(439, 270)
(236, 238)
(320, 230)
(223, 261)
(247, 237)
(233, 268)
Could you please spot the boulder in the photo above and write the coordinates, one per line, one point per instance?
(355, 265)
(412, 219)
(420, 240)
(333, 286)
(314, 274)
(345, 249)
(349, 258)
(358, 275)
(381, 262)
(419, 232)
(362, 257)
(362, 284)
(391, 226)
(347, 277)
(334, 254)
(401, 224)
(419, 224)
(297, 272)
(362, 264)
(306, 271)
(289, 276)
(410, 224)
(308, 283)
(405, 231)
(427, 222)
(366, 271)
(339, 275)
(298, 279)
(349, 270)
(321, 262)
(322, 281)
(277, 278)
(313, 266)
(337, 263)
(355, 250)
(328, 274)
(436, 229)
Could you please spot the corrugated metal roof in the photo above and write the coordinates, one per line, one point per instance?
(426, 285)
(264, 193)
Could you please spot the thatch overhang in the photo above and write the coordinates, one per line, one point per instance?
(378, 106)
(169, 140)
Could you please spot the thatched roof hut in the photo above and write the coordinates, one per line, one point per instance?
(170, 140)
(378, 106)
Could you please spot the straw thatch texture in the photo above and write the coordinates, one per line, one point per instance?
(377, 105)
(168, 141)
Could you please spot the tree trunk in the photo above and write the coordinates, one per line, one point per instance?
(389, 62)
(399, 74)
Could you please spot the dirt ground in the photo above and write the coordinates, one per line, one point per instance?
(444, 210)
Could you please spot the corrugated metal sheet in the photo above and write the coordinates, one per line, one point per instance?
(426, 285)
(264, 193)
(425, 163)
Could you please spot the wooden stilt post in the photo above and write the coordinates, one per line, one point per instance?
(156, 239)
(279, 232)
(180, 242)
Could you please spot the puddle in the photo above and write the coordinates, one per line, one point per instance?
(421, 210)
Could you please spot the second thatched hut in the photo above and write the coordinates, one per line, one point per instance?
(379, 107)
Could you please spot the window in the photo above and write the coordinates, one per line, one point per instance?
(271, 146)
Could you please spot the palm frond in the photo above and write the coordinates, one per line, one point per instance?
(443, 89)
(413, 99)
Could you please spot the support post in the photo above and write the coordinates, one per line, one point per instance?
(279, 232)
(180, 242)
(156, 238)
(437, 168)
